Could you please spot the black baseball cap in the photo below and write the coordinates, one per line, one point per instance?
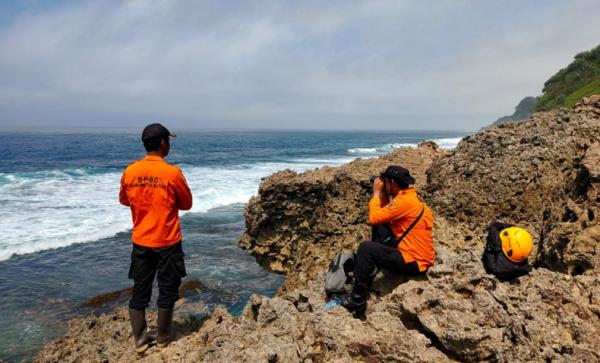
(156, 131)
(398, 173)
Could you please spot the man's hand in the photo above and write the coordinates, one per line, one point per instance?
(378, 187)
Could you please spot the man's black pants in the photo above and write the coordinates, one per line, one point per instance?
(167, 263)
(372, 254)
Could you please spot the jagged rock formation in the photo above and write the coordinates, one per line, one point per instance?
(543, 173)
(457, 314)
(298, 222)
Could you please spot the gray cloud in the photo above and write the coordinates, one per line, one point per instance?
(344, 64)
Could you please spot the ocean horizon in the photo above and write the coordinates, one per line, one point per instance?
(67, 237)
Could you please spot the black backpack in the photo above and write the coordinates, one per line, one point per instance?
(494, 260)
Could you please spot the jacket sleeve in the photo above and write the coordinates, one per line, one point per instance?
(123, 193)
(388, 213)
(384, 200)
(183, 194)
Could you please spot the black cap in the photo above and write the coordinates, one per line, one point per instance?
(156, 131)
(398, 173)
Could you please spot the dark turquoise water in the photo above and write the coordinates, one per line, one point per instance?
(66, 238)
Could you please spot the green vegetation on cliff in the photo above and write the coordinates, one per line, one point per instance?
(579, 79)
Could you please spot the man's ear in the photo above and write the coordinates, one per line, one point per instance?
(165, 147)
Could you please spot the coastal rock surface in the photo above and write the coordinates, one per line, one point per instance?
(298, 222)
(542, 173)
(458, 313)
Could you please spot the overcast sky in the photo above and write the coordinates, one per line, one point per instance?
(451, 65)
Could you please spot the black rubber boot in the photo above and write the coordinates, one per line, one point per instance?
(356, 300)
(165, 317)
(140, 330)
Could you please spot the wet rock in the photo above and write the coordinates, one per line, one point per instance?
(110, 297)
(191, 287)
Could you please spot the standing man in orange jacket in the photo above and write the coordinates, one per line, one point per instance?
(155, 191)
(396, 203)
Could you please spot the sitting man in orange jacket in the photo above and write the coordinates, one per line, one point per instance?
(155, 191)
(409, 250)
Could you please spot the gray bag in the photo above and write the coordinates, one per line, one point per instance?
(338, 279)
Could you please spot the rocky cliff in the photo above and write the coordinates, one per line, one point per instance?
(543, 173)
(298, 222)
(522, 111)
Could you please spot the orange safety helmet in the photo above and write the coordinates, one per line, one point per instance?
(516, 243)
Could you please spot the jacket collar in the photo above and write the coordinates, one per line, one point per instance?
(408, 190)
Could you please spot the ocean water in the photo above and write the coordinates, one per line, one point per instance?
(66, 238)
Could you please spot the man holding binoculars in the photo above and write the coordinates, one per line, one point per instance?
(402, 234)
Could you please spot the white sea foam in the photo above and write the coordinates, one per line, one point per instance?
(444, 143)
(51, 209)
(364, 150)
(324, 162)
(448, 143)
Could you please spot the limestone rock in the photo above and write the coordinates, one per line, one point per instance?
(542, 173)
(298, 222)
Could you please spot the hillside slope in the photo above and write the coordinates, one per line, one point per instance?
(522, 111)
(579, 79)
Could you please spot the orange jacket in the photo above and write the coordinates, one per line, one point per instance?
(417, 245)
(155, 191)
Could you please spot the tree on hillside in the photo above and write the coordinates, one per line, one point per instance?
(579, 79)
